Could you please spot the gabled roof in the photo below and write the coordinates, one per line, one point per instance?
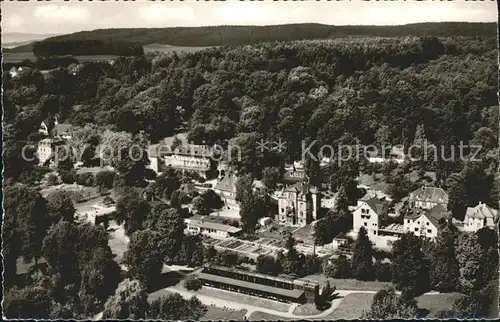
(429, 194)
(375, 203)
(228, 184)
(481, 211)
(435, 214)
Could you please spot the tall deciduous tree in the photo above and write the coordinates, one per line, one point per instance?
(60, 206)
(130, 301)
(143, 256)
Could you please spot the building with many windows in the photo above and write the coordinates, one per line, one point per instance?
(211, 229)
(425, 222)
(189, 157)
(428, 198)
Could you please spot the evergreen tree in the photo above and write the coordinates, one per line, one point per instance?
(410, 269)
(362, 258)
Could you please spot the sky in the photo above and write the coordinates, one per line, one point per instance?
(62, 17)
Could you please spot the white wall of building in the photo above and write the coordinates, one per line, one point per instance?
(365, 216)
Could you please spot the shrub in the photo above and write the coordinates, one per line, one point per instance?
(85, 179)
(68, 177)
(192, 283)
(52, 180)
(105, 179)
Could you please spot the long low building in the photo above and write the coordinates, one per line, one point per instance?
(273, 293)
(212, 229)
(280, 288)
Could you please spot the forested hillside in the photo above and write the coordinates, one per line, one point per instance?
(377, 90)
(242, 35)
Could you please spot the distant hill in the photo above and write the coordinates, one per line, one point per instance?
(21, 38)
(240, 35)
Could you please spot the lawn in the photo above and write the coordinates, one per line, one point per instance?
(306, 309)
(217, 314)
(353, 305)
(431, 304)
(350, 284)
(261, 316)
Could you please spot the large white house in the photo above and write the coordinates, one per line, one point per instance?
(367, 214)
(480, 216)
(428, 198)
(425, 222)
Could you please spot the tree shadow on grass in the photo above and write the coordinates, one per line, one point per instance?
(166, 279)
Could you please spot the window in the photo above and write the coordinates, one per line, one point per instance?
(408, 221)
(418, 222)
(427, 223)
(282, 210)
(416, 229)
(429, 231)
(365, 224)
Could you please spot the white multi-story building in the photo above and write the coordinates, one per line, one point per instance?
(298, 205)
(425, 222)
(45, 150)
(211, 229)
(367, 214)
(480, 216)
(190, 157)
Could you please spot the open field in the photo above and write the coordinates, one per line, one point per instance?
(10, 57)
(15, 57)
(151, 48)
(217, 314)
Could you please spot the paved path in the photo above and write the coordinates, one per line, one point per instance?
(213, 301)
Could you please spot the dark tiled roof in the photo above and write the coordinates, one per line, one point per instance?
(375, 203)
(253, 286)
(429, 194)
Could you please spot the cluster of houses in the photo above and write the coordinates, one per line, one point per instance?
(427, 211)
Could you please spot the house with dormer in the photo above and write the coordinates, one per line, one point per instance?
(427, 198)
